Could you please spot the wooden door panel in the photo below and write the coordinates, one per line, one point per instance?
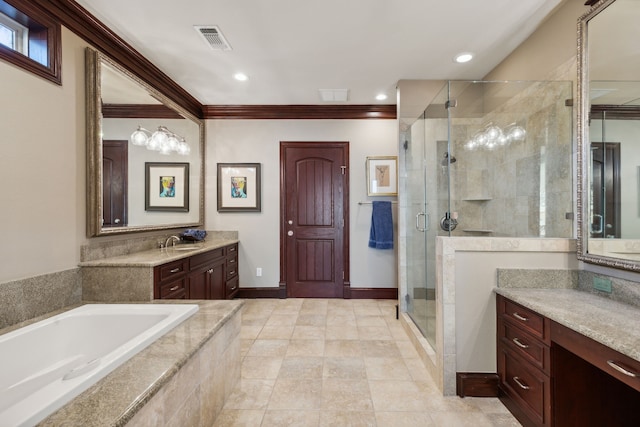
(315, 260)
(314, 230)
(114, 183)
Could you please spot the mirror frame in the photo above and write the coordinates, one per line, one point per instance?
(583, 147)
(93, 67)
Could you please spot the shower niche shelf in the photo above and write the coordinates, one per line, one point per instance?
(477, 230)
(477, 199)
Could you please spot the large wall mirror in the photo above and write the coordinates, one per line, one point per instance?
(609, 135)
(145, 159)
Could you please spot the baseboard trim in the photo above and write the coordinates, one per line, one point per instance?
(475, 384)
(253, 293)
(373, 293)
(354, 293)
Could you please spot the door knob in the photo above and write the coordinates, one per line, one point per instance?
(290, 222)
(289, 233)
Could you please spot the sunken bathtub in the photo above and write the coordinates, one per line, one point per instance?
(97, 364)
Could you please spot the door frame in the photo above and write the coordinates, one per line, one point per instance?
(282, 290)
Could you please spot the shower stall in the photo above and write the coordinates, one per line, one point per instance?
(480, 159)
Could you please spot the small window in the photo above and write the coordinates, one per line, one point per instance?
(30, 39)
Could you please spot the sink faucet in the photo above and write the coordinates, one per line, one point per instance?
(171, 239)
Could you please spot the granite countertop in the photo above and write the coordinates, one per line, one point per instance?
(115, 399)
(154, 257)
(612, 323)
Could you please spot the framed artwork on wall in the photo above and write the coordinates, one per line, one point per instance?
(239, 187)
(166, 187)
(382, 176)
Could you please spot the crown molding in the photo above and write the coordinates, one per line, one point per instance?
(284, 112)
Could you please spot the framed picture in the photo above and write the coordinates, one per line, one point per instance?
(166, 187)
(239, 187)
(382, 176)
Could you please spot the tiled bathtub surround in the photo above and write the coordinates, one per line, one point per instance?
(182, 379)
(25, 299)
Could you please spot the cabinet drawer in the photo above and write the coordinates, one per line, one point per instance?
(526, 319)
(206, 257)
(174, 290)
(232, 249)
(232, 267)
(173, 269)
(528, 386)
(231, 288)
(525, 345)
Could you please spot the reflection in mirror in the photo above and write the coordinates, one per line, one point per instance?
(610, 135)
(118, 105)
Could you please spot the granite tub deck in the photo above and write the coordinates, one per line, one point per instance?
(181, 379)
(614, 324)
(129, 277)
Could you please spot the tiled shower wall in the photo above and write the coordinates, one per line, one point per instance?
(523, 189)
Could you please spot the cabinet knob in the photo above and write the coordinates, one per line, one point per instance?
(289, 233)
(210, 271)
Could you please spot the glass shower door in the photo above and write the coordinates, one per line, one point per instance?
(417, 224)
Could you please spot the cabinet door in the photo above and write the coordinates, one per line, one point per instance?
(217, 280)
(207, 282)
(198, 284)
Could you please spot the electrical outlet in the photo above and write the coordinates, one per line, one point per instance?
(259, 271)
(602, 284)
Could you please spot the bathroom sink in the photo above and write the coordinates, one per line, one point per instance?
(185, 248)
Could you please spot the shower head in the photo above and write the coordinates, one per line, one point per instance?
(447, 159)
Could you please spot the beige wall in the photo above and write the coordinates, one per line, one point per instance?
(258, 141)
(553, 44)
(42, 167)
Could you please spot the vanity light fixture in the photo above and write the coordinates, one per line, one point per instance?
(162, 140)
(492, 137)
(461, 58)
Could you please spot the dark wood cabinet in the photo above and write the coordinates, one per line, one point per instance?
(208, 275)
(523, 363)
(551, 375)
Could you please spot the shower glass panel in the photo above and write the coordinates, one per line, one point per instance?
(427, 185)
(512, 143)
(496, 157)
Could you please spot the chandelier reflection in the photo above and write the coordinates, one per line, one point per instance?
(492, 137)
(162, 140)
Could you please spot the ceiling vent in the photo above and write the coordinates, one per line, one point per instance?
(334, 95)
(213, 36)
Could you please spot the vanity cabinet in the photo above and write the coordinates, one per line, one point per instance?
(208, 275)
(551, 375)
(524, 361)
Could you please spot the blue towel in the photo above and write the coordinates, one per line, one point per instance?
(381, 234)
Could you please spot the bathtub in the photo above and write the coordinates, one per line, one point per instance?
(45, 365)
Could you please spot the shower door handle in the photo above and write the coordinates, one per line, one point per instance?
(600, 220)
(426, 222)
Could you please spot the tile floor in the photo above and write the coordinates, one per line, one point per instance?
(334, 362)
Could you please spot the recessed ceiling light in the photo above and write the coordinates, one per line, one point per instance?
(381, 97)
(463, 57)
(240, 77)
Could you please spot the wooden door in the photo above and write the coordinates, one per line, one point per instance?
(314, 230)
(606, 199)
(114, 183)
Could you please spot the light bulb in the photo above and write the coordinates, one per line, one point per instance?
(139, 137)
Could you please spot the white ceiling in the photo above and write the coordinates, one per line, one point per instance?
(292, 48)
